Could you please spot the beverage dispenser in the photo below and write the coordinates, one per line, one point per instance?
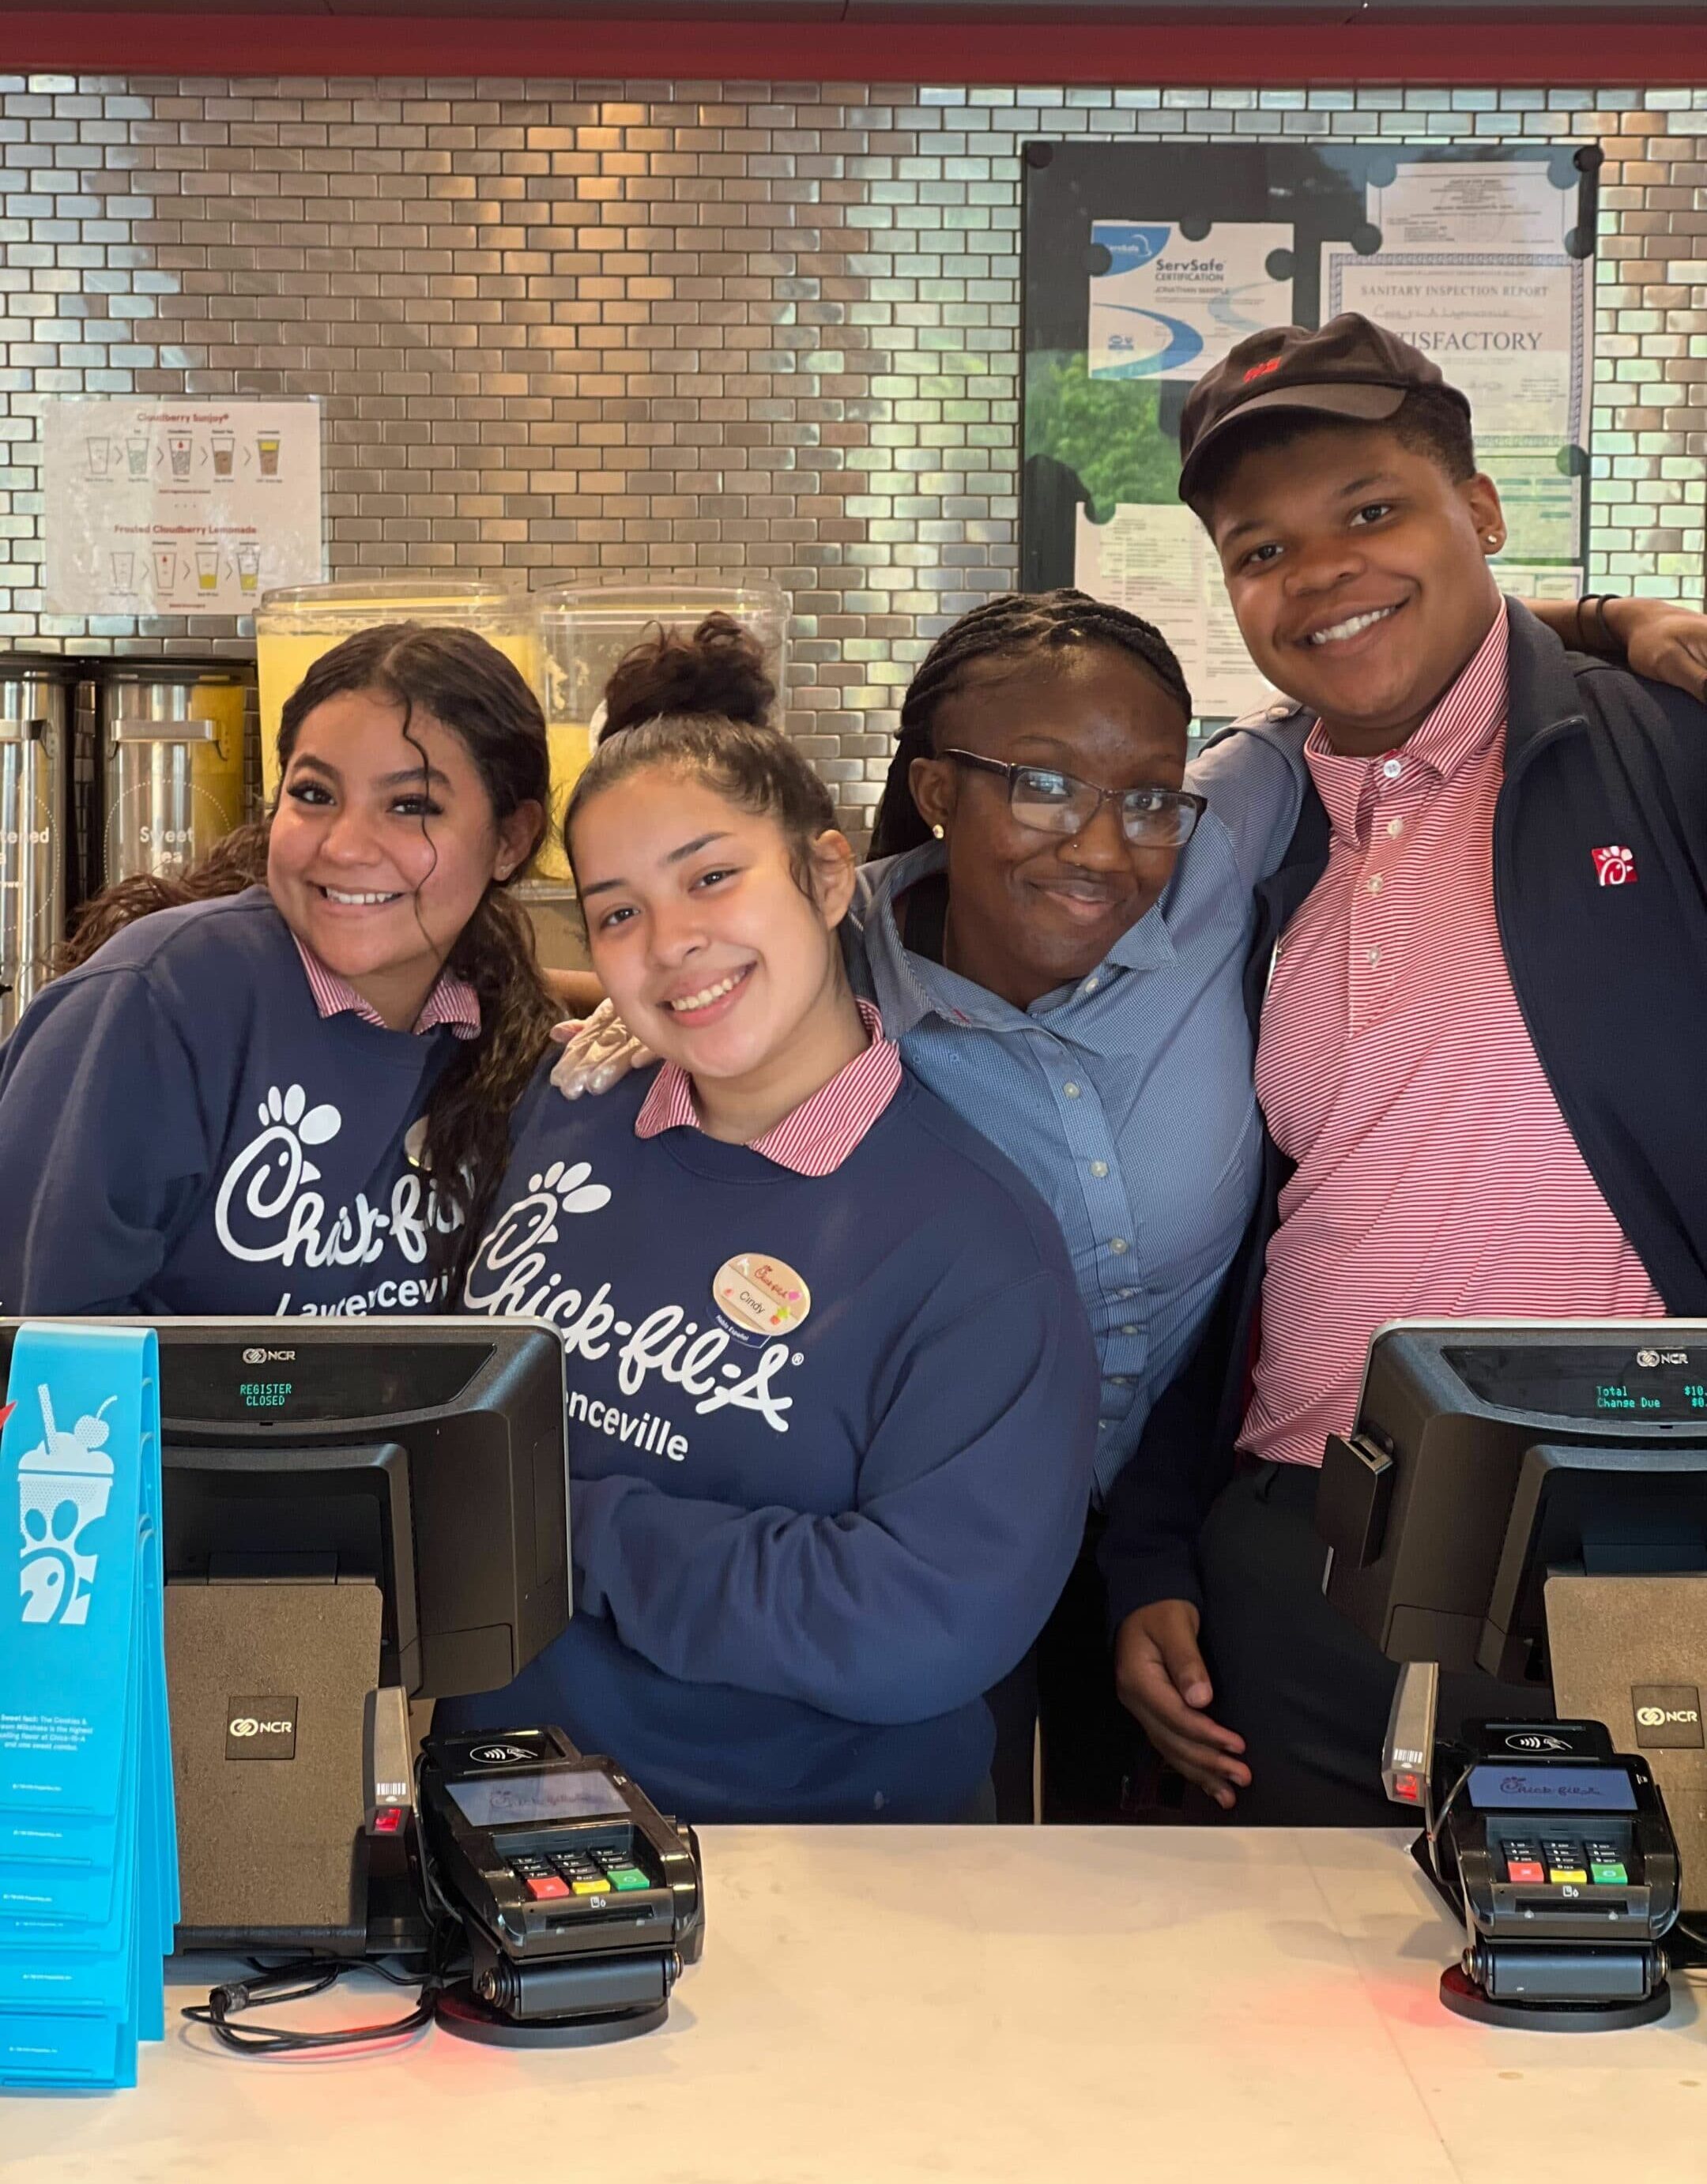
(36, 827)
(172, 734)
(294, 627)
(584, 630)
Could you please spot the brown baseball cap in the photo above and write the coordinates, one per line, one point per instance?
(1349, 368)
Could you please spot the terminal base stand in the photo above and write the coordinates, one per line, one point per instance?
(1461, 1995)
(460, 2011)
(1465, 1997)
(267, 1680)
(561, 2002)
(1630, 1651)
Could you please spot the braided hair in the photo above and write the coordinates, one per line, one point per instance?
(1016, 622)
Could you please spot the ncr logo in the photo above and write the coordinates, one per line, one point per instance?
(1666, 1714)
(262, 1728)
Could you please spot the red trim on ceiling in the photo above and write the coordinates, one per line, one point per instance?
(1487, 50)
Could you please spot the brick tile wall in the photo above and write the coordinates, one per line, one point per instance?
(576, 330)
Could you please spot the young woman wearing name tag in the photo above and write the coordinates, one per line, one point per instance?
(833, 1398)
(295, 1098)
(1057, 938)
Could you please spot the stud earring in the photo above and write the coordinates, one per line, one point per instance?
(937, 830)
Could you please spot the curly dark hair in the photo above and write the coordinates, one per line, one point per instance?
(458, 679)
(1014, 625)
(237, 860)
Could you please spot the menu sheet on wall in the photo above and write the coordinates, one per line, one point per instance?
(178, 505)
(1156, 561)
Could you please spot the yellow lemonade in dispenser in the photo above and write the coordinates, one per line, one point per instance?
(294, 628)
(571, 746)
(585, 629)
(150, 709)
(217, 764)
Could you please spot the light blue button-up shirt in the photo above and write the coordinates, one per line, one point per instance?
(1126, 1099)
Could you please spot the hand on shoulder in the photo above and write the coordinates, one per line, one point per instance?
(598, 1052)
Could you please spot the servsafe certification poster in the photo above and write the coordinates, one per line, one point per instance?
(178, 506)
(1169, 306)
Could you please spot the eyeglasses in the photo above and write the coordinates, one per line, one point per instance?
(1057, 802)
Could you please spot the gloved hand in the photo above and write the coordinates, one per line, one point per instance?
(597, 1053)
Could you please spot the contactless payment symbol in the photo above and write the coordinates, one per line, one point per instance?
(760, 1299)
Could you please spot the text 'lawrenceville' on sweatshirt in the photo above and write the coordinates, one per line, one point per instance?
(830, 1440)
(181, 1132)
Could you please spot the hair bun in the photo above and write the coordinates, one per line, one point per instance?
(718, 668)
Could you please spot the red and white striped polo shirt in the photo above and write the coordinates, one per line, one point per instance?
(453, 1001)
(820, 1133)
(1436, 1176)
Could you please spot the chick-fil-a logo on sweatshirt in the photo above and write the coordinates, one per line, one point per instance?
(511, 1275)
(268, 1210)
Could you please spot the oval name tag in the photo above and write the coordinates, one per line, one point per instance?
(759, 1295)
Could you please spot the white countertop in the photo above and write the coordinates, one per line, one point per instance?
(919, 2006)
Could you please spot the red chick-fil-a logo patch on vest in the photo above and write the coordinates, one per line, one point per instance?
(761, 1298)
(1615, 865)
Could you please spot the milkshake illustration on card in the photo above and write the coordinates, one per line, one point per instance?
(64, 1487)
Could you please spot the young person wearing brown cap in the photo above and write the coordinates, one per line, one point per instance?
(1479, 975)
(1110, 1058)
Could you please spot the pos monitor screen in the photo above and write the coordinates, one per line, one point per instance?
(1487, 1456)
(427, 1455)
(346, 1505)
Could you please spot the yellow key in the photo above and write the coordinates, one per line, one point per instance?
(1559, 1875)
(591, 1887)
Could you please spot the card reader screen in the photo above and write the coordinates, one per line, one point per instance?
(512, 1801)
(1507, 1789)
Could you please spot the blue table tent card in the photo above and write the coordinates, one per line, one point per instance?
(88, 1864)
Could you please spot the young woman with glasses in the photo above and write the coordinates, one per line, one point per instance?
(1058, 948)
(1055, 927)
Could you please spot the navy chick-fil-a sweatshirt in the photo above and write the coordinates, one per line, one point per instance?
(830, 1444)
(181, 1131)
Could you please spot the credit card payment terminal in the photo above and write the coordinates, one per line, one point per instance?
(580, 1900)
(1557, 1851)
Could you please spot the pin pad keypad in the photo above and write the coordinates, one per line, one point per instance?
(1552, 1855)
(579, 1875)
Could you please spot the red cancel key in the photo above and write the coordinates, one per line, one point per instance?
(547, 1884)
